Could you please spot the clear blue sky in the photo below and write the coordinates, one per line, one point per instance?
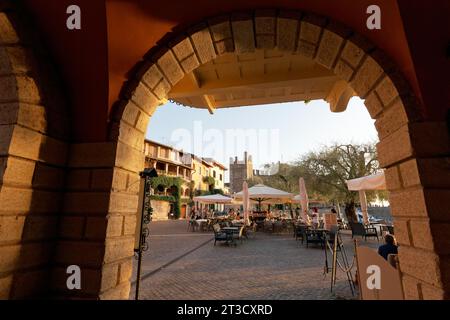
(270, 133)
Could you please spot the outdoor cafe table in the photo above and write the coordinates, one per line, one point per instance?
(230, 231)
(316, 235)
(200, 222)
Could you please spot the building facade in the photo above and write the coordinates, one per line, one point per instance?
(217, 172)
(199, 176)
(169, 162)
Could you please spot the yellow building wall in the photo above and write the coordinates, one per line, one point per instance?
(198, 174)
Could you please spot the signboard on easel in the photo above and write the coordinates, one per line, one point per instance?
(377, 279)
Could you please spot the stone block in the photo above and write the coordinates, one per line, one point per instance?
(204, 46)
(430, 139)
(190, 63)
(386, 91)
(30, 284)
(144, 99)
(119, 248)
(366, 77)
(39, 227)
(402, 231)
(421, 234)
(16, 171)
(373, 105)
(131, 137)
(352, 54)
(310, 32)
(86, 202)
(129, 225)
(411, 288)
(91, 155)
(129, 158)
(420, 264)
(78, 179)
(152, 77)
(122, 202)
(408, 203)
(72, 227)
(395, 147)
(83, 254)
(392, 175)
(329, 49)
(48, 177)
(183, 49)
(169, 65)
(126, 270)
(102, 179)
(391, 120)
(244, 38)
(8, 33)
(120, 292)
(162, 89)
(11, 228)
(287, 33)
(221, 31)
(5, 286)
(433, 172)
(410, 173)
(265, 26)
(344, 71)
(110, 275)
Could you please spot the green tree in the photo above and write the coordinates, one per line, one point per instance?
(326, 171)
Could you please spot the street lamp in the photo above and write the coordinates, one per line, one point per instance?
(144, 216)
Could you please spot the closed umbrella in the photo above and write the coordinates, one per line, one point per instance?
(304, 200)
(246, 202)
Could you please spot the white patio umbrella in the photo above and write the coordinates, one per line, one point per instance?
(372, 182)
(261, 193)
(303, 200)
(246, 202)
(214, 198)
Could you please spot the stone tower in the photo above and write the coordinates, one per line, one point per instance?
(240, 171)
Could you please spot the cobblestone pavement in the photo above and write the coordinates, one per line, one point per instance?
(267, 267)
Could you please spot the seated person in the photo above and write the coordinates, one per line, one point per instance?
(389, 248)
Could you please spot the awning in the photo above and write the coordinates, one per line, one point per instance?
(214, 198)
(373, 182)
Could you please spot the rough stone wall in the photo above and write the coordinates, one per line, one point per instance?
(33, 154)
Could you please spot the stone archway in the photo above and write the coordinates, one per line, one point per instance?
(404, 148)
(75, 203)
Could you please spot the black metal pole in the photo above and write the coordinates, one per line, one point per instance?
(138, 276)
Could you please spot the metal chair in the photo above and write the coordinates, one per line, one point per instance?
(358, 229)
(219, 235)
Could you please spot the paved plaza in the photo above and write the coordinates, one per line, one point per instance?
(186, 265)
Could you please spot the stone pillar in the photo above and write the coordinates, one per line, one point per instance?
(420, 202)
(33, 154)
